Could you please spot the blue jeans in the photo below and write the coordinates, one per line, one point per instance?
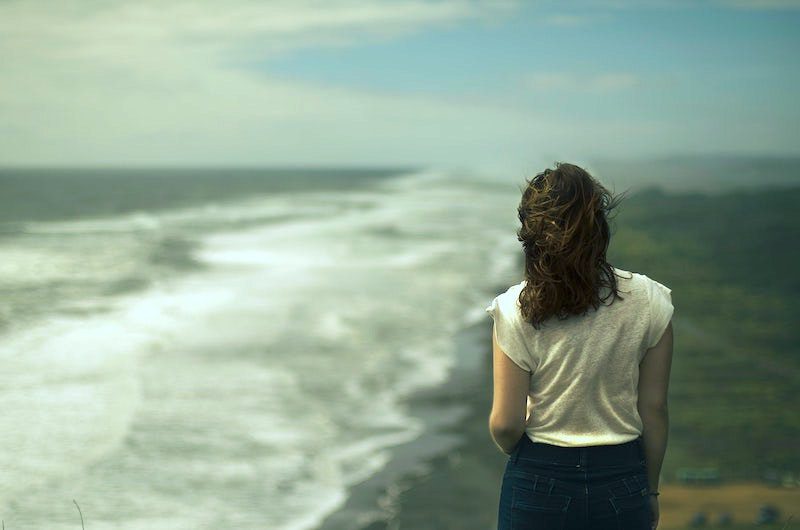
(549, 487)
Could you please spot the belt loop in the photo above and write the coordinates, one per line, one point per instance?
(515, 452)
(583, 457)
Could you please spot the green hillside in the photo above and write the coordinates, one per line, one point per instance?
(732, 262)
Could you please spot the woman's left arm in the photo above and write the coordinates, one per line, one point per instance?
(510, 398)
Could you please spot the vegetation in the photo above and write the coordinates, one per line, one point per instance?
(731, 261)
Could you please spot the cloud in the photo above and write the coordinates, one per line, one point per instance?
(166, 81)
(561, 81)
(88, 28)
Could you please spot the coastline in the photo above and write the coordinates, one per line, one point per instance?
(450, 476)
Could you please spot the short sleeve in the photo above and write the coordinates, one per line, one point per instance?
(661, 310)
(509, 336)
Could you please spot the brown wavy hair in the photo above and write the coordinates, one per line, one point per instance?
(565, 234)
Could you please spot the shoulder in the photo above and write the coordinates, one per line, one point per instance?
(654, 291)
(654, 286)
(507, 302)
(510, 298)
(632, 280)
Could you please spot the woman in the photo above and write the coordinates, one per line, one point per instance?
(582, 356)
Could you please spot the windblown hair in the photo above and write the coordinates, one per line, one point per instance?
(565, 235)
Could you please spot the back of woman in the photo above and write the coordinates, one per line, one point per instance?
(582, 354)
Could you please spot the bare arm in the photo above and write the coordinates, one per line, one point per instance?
(654, 372)
(509, 403)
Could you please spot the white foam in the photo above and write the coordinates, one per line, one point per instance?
(281, 370)
(71, 399)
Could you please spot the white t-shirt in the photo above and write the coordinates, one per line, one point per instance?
(585, 369)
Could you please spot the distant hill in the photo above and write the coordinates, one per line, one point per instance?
(703, 173)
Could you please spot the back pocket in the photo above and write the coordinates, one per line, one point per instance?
(533, 508)
(631, 503)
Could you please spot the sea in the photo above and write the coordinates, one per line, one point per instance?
(229, 348)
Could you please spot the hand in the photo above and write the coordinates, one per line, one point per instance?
(654, 511)
(511, 452)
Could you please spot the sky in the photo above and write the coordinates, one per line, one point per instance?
(364, 83)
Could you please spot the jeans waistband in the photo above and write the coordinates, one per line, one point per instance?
(627, 453)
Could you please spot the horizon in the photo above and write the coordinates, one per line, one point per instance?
(667, 157)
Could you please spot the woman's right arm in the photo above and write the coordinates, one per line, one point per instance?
(654, 371)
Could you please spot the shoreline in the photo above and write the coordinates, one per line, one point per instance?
(450, 476)
(462, 488)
